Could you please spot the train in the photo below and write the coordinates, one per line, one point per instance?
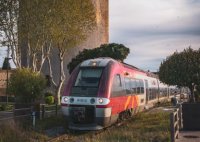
(102, 91)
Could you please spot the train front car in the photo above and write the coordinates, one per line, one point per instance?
(85, 99)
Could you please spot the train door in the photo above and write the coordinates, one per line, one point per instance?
(147, 91)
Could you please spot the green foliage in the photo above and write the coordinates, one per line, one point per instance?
(63, 24)
(182, 69)
(75, 20)
(6, 107)
(26, 85)
(113, 50)
(66, 23)
(6, 64)
(49, 100)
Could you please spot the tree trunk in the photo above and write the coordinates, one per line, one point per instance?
(192, 97)
(34, 62)
(44, 56)
(16, 57)
(50, 72)
(62, 76)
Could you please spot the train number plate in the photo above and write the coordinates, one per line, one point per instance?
(78, 108)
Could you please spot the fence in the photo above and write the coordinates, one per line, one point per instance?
(7, 100)
(28, 112)
(49, 110)
(176, 123)
(16, 114)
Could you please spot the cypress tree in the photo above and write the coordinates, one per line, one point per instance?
(6, 64)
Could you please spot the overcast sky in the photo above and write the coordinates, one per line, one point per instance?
(3, 54)
(154, 29)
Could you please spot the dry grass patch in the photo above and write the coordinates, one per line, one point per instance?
(11, 131)
(144, 127)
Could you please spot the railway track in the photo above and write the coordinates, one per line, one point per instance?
(73, 136)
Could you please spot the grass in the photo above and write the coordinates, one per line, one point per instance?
(22, 131)
(7, 133)
(163, 103)
(144, 127)
(49, 123)
(11, 132)
(151, 126)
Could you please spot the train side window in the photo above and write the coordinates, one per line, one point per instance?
(128, 85)
(130, 90)
(133, 86)
(141, 86)
(150, 94)
(138, 86)
(117, 88)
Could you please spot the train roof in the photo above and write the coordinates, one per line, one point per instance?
(103, 61)
(100, 62)
(148, 73)
(132, 67)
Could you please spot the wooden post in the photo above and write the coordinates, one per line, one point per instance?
(43, 111)
(176, 125)
(56, 109)
(180, 117)
(172, 127)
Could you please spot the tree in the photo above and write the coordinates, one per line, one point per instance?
(62, 24)
(8, 28)
(6, 64)
(25, 22)
(113, 50)
(182, 69)
(75, 21)
(26, 85)
(34, 24)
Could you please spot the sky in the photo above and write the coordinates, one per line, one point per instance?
(154, 29)
(3, 54)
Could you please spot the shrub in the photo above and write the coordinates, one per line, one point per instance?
(6, 107)
(49, 100)
(26, 85)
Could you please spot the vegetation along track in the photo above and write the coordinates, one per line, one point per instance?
(153, 124)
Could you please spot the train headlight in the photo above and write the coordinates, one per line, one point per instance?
(92, 101)
(94, 64)
(71, 100)
(100, 100)
(66, 99)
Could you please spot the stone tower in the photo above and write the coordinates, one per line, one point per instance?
(99, 36)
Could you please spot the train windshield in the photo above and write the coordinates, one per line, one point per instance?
(87, 82)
